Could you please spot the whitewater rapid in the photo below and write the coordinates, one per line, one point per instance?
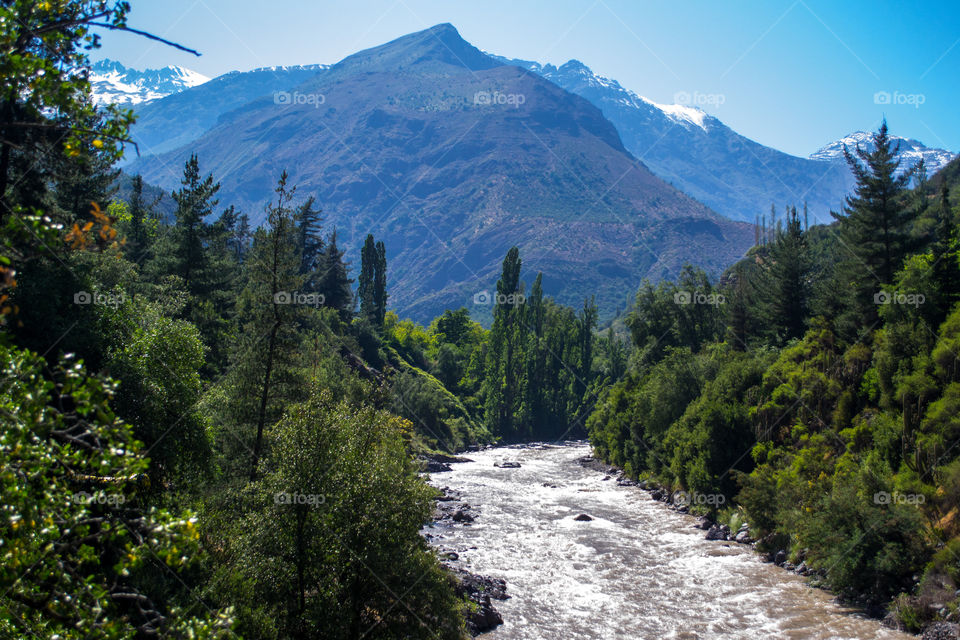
(637, 570)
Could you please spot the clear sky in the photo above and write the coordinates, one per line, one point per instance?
(791, 74)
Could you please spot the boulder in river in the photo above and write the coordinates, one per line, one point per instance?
(507, 464)
(780, 558)
(583, 518)
(462, 515)
(743, 536)
(433, 466)
(718, 532)
(479, 590)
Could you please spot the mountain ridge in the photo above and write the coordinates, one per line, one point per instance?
(431, 161)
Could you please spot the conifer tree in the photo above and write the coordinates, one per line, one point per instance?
(875, 222)
(309, 222)
(269, 315)
(334, 280)
(786, 279)
(946, 268)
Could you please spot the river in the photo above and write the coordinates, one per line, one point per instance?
(638, 570)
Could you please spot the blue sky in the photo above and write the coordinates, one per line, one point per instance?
(791, 74)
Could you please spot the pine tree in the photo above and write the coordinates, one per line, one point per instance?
(334, 280)
(946, 261)
(195, 202)
(269, 317)
(874, 222)
(786, 279)
(142, 219)
(309, 223)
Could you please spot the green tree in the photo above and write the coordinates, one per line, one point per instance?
(81, 549)
(334, 280)
(875, 222)
(786, 284)
(368, 259)
(332, 533)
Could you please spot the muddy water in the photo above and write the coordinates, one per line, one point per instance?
(638, 570)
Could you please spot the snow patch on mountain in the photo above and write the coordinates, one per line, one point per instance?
(911, 151)
(112, 82)
(681, 114)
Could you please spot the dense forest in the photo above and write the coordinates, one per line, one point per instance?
(815, 388)
(212, 425)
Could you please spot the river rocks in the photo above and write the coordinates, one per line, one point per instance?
(583, 518)
(717, 532)
(743, 535)
(507, 464)
(941, 631)
(704, 523)
(780, 558)
(480, 590)
(462, 515)
(432, 466)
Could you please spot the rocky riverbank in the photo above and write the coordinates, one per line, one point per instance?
(480, 591)
(766, 547)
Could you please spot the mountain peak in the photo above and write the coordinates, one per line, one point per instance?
(910, 151)
(113, 82)
(440, 44)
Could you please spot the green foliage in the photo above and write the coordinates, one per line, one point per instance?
(79, 545)
(830, 416)
(330, 534)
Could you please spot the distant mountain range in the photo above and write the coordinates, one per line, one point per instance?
(392, 140)
(708, 160)
(911, 151)
(450, 157)
(682, 144)
(114, 83)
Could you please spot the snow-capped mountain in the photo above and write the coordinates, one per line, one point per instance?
(114, 83)
(703, 157)
(698, 153)
(911, 151)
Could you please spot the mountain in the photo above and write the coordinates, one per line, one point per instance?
(180, 118)
(451, 158)
(911, 151)
(114, 83)
(699, 154)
